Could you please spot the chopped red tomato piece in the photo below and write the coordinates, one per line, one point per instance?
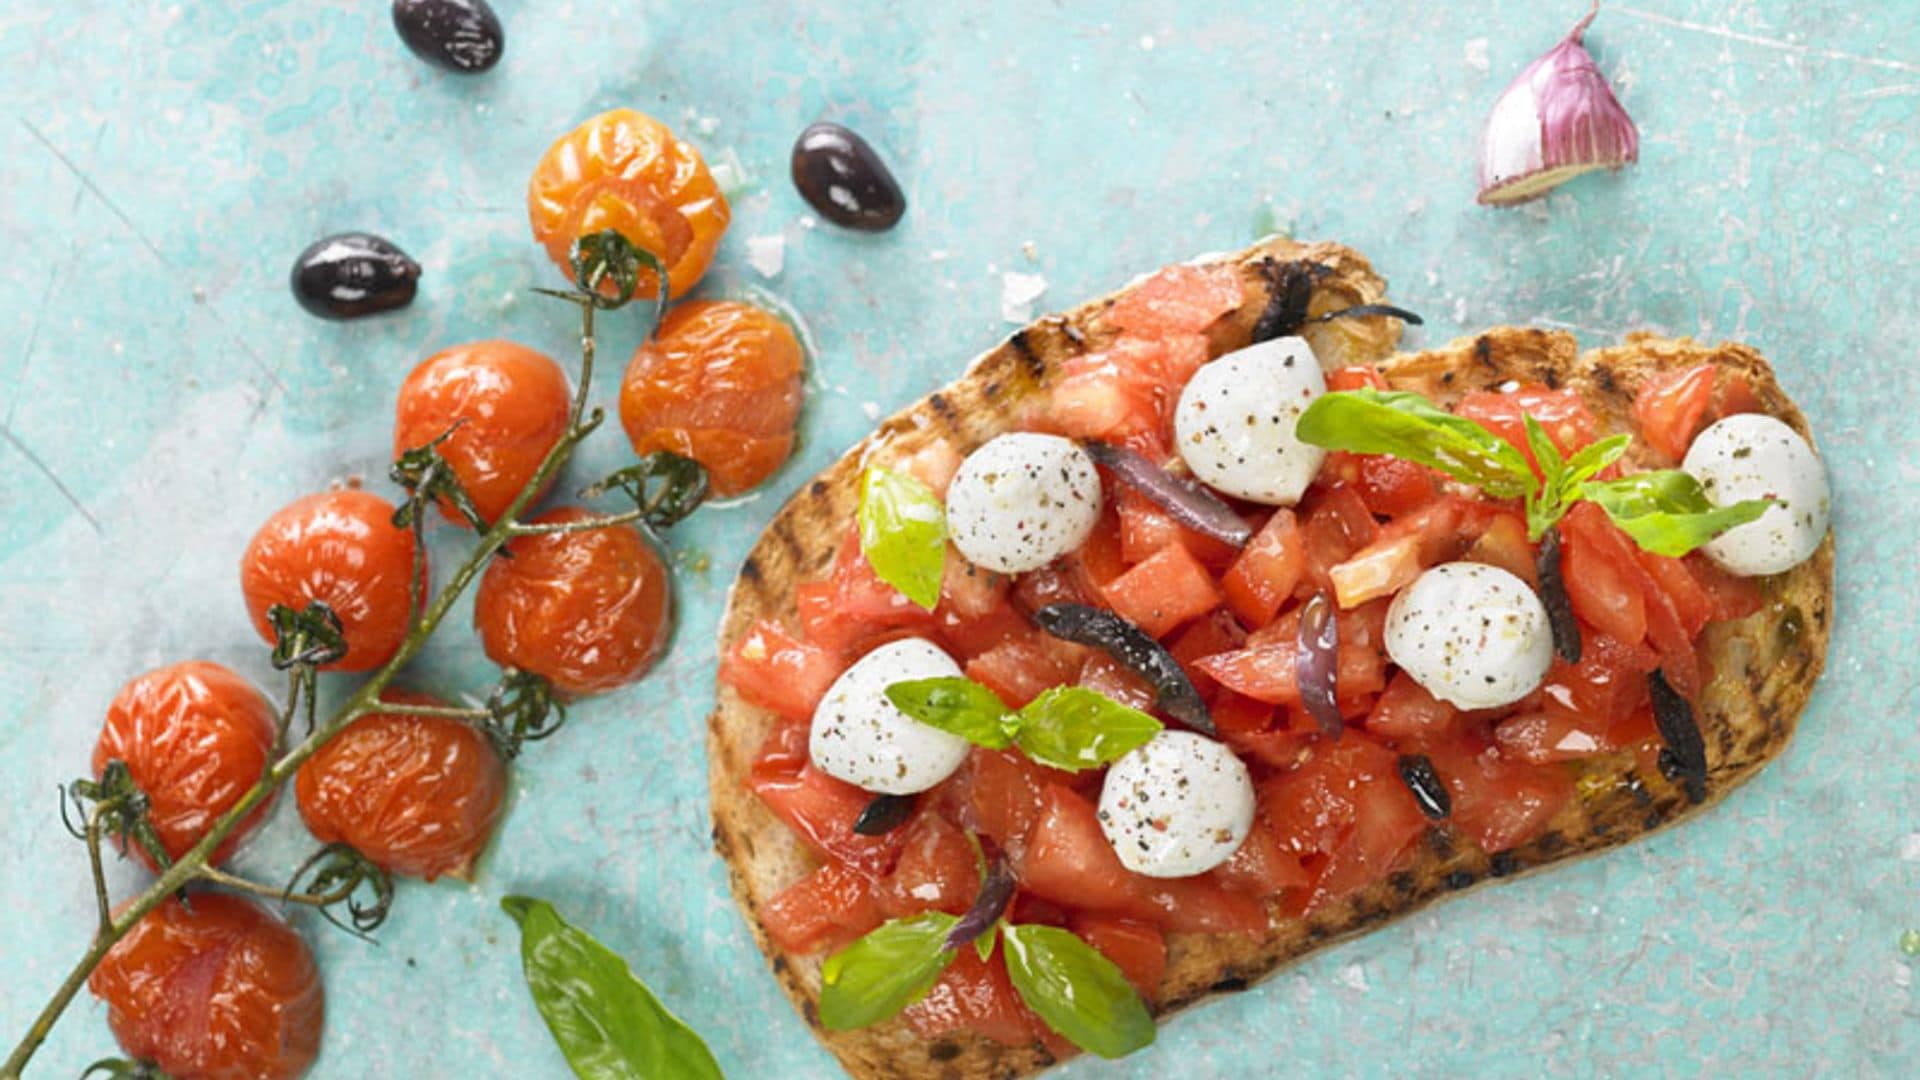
(1069, 861)
(1671, 408)
(775, 670)
(1504, 544)
(1215, 634)
(1201, 906)
(1006, 792)
(1105, 675)
(1731, 597)
(1382, 568)
(936, 871)
(1347, 812)
(1020, 668)
(1392, 486)
(1499, 802)
(1268, 569)
(1338, 525)
(1266, 669)
(853, 610)
(1257, 731)
(1610, 562)
(1260, 867)
(974, 995)
(1550, 735)
(1733, 394)
(1168, 589)
(1406, 711)
(932, 464)
(1608, 683)
(1355, 377)
(1180, 299)
(1595, 563)
(1137, 949)
(830, 907)
(817, 807)
(1145, 529)
(1563, 413)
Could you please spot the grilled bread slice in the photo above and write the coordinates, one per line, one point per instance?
(1762, 667)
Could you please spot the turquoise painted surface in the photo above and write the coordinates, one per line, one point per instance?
(160, 164)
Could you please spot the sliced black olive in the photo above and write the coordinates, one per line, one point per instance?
(996, 892)
(883, 815)
(1416, 770)
(841, 177)
(1174, 693)
(462, 36)
(1684, 759)
(1187, 502)
(349, 275)
(1553, 594)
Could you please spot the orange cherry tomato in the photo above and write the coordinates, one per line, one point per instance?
(341, 548)
(194, 737)
(213, 989)
(626, 171)
(588, 610)
(720, 384)
(510, 404)
(419, 795)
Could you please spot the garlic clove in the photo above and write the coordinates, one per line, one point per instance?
(1559, 119)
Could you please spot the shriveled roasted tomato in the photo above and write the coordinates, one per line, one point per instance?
(588, 610)
(506, 406)
(720, 383)
(419, 795)
(341, 548)
(194, 737)
(624, 170)
(213, 989)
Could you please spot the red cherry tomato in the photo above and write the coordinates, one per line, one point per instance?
(341, 548)
(418, 795)
(588, 610)
(194, 737)
(506, 406)
(720, 383)
(219, 990)
(624, 170)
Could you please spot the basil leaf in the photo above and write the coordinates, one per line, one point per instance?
(1408, 426)
(1074, 728)
(1561, 488)
(1077, 991)
(1666, 512)
(957, 706)
(606, 1021)
(903, 534)
(884, 972)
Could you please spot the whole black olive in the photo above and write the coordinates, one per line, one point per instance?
(462, 36)
(347, 275)
(840, 176)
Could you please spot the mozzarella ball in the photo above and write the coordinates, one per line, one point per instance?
(1178, 806)
(858, 736)
(1472, 635)
(1234, 424)
(1753, 456)
(1022, 501)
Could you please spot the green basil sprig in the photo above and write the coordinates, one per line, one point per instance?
(1068, 727)
(1077, 991)
(1667, 515)
(1666, 512)
(903, 533)
(605, 1020)
(1066, 982)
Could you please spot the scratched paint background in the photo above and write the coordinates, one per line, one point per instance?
(160, 394)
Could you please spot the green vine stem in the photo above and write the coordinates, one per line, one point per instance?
(197, 862)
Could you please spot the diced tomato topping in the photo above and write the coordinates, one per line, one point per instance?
(1347, 813)
(1180, 299)
(1392, 486)
(1215, 634)
(1733, 394)
(1105, 675)
(1355, 377)
(1608, 683)
(1201, 906)
(1671, 408)
(1500, 802)
(1145, 529)
(853, 610)
(1137, 949)
(1382, 568)
(1020, 668)
(1615, 563)
(1168, 589)
(1266, 668)
(1595, 562)
(936, 870)
(1731, 597)
(1257, 731)
(1338, 525)
(830, 907)
(974, 995)
(1006, 794)
(817, 807)
(1691, 603)
(775, 670)
(1069, 861)
(1268, 569)
(933, 465)
(1563, 413)
(1504, 544)
(1551, 735)
(1406, 711)
(1261, 867)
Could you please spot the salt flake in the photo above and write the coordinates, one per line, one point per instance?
(767, 254)
(1017, 293)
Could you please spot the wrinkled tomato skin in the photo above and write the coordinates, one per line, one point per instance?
(194, 736)
(213, 989)
(588, 610)
(624, 170)
(721, 384)
(419, 795)
(342, 549)
(505, 406)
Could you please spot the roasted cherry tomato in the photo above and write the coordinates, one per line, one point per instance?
(194, 737)
(720, 384)
(624, 170)
(588, 610)
(341, 548)
(506, 406)
(213, 989)
(419, 795)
